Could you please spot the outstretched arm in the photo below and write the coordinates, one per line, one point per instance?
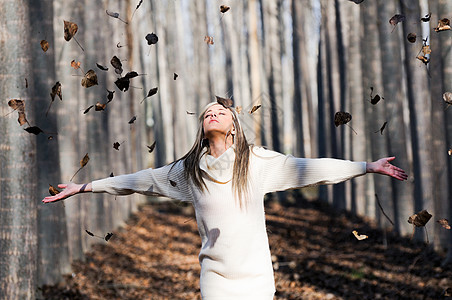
(69, 190)
(384, 166)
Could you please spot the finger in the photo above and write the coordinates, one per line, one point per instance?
(62, 185)
(390, 158)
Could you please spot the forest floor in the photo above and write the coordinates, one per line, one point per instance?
(315, 256)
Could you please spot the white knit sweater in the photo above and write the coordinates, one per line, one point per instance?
(235, 257)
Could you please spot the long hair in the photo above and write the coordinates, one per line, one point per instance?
(241, 162)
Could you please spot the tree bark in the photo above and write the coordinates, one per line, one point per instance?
(18, 190)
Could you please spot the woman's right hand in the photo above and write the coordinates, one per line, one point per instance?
(69, 190)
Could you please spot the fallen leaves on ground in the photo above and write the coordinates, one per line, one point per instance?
(155, 257)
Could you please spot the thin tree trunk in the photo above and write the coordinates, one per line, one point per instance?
(18, 197)
(53, 254)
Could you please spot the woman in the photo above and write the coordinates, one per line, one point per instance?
(226, 179)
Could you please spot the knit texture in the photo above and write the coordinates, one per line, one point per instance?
(235, 256)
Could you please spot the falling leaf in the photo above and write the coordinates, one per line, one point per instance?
(26, 83)
(152, 38)
(132, 120)
(190, 113)
(341, 118)
(111, 175)
(357, 1)
(447, 97)
(224, 8)
(108, 236)
(89, 79)
(151, 147)
(53, 191)
(175, 76)
(208, 40)
(118, 45)
(376, 99)
(70, 29)
(359, 237)
(382, 128)
(397, 18)
(426, 49)
(238, 109)
(225, 101)
(426, 18)
(75, 64)
(100, 106)
(411, 37)
(444, 223)
(115, 15)
(116, 145)
(123, 83)
(89, 233)
(419, 219)
(56, 91)
(116, 63)
(88, 109)
(254, 108)
(443, 24)
(173, 183)
(44, 45)
(138, 6)
(110, 96)
(102, 67)
(19, 106)
(83, 162)
(132, 74)
(34, 130)
(449, 151)
(424, 59)
(151, 92)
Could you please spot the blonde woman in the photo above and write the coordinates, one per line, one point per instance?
(226, 179)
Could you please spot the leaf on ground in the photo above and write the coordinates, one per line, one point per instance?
(226, 102)
(44, 45)
(359, 237)
(90, 79)
(443, 25)
(151, 92)
(419, 219)
(444, 223)
(152, 38)
(151, 147)
(53, 191)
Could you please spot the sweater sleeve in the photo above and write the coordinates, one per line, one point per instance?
(280, 172)
(168, 181)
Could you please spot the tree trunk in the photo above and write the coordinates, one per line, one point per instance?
(18, 191)
(53, 255)
(420, 112)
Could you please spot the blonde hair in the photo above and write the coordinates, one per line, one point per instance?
(241, 162)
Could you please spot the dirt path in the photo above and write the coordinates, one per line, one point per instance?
(315, 257)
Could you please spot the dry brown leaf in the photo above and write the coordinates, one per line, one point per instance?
(83, 162)
(224, 8)
(447, 97)
(226, 102)
(419, 219)
(254, 108)
(443, 24)
(359, 237)
(208, 40)
(44, 45)
(70, 29)
(89, 79)
(75, 64)
(444, 223)
(19, 105)
(53, 191)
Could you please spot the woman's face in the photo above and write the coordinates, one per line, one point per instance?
(217, 120)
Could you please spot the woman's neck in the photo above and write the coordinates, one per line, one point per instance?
(218, 145)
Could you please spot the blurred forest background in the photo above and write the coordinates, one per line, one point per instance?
(301, 61)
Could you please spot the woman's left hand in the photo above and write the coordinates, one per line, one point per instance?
(384, 166)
